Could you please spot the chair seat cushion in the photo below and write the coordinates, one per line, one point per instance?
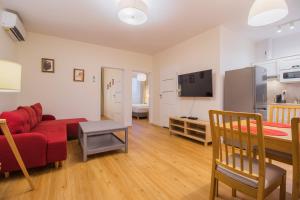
(273, 173)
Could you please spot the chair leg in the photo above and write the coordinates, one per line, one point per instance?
(295, 188)
(213, 188)
(217, 188)
(283, 188)
(233, 192)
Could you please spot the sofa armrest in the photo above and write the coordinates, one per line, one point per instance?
(32, 147)
(48, 117)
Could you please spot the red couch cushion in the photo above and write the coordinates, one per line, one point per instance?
(38, 109)
(32, 147)
(56, 134)
(32, 115)
(18, 121)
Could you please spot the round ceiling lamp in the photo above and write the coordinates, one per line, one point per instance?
(141, 77)
(264, 12)
(133, 12)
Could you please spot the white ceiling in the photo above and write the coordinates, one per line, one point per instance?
(170, 21)
(270, 31)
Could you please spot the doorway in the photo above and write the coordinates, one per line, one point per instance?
(140, 96)
(112, 80)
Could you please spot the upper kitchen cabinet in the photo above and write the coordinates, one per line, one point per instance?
(271, 66)
(289, 61)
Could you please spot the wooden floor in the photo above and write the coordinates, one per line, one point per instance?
(158, 166)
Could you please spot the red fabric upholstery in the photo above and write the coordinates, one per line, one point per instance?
(32, 115)
(43, 144)
(17, 121)
(48, 117)
(38, 109)
(32, 147)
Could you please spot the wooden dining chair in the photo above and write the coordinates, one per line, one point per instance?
(296, 157)
(282, 114)
(235, 165)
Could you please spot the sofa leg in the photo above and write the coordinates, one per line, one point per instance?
(56, 164)
(61, 163)
(6, 174)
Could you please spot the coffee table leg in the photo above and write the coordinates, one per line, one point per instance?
(79, 134)
(126, 140)
(84, 147)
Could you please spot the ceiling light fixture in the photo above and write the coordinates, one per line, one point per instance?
(264, 12)
(279, 30)
(292, 26)
(133, 12)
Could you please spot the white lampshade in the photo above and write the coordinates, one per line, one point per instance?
(141, 77)
(133, 12)
(264, 12)
(10, 76)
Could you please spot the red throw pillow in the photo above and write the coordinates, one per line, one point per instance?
(38, 111)
(32, 116)
(17, 121)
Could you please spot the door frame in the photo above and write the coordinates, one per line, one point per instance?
(150, 85)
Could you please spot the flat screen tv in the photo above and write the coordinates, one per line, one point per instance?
(198, 84)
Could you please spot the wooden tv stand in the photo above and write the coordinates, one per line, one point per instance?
(194, 129)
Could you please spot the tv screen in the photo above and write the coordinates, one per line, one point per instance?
(198, 84)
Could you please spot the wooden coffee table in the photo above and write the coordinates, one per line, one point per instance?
(98, 136)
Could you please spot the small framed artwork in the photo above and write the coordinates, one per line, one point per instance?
(78, 75)
(47, 65)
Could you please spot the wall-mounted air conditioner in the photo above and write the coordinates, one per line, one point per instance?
(12, 23)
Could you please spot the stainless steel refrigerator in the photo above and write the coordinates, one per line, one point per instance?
(245, 90)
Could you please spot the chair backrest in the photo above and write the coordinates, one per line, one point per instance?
(296, 146)
(240, 129)
(283, 113)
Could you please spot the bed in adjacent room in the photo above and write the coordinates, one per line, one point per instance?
(140, 110)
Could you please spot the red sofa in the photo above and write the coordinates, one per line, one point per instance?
(41, 139)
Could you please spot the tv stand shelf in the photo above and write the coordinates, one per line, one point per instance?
(193, 129)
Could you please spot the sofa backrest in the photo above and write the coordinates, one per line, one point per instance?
(38, 111)
(18, 121)
(23, 119)
(32, 115)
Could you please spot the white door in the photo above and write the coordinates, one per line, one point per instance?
(168, 95)
(117, 100)
(113, 84)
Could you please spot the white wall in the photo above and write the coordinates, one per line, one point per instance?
(237, 51)
(7, 52)
(57, 92)
(199, 53)
(219, 49)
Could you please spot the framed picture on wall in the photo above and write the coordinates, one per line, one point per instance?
(78, 75)
(47, 65)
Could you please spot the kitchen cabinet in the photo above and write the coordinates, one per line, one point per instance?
(271, 66)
